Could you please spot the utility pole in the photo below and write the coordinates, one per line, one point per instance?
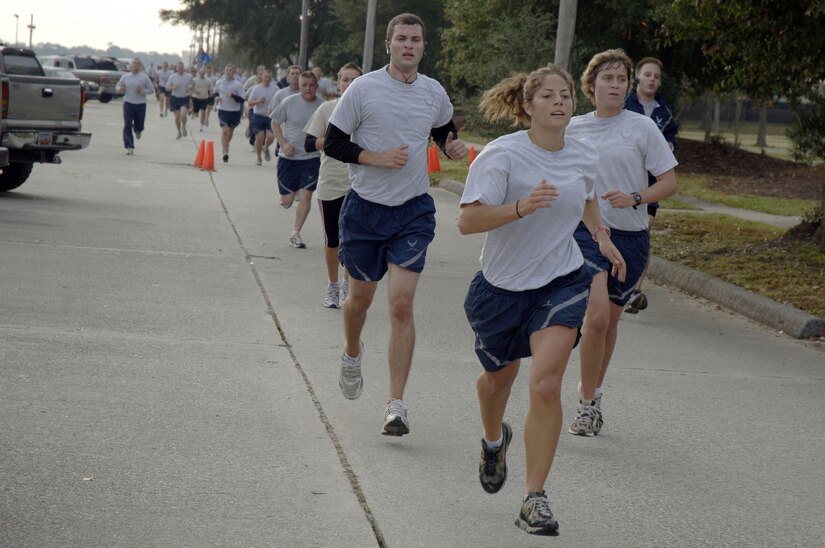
(31, 30)
(16, 25)
(302, 52)
(565, 33)
(369, 36)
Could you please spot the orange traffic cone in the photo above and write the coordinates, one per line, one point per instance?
(436, 161)
(430, 161)
(471, 156)
(209, 157)
(199, 156)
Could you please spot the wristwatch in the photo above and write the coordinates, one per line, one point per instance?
(637, 198)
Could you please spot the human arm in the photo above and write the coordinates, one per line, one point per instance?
(670, 129)
(286, 146)
(601, 234)
(313, 143)
(664, 187)
(446, 137)
(476, 217)
(339, 145)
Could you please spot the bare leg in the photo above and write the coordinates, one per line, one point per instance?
(594, 334)
(302, 211)
(493, 391)
(401, 292)
(358, 302)
(551, 349)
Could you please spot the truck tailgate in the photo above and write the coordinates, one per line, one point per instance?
(37, 102)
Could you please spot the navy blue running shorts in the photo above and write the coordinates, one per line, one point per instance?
(295, 175)
(504, 320)
(178, 102)
(374, 235)
(261, 123)
(229, 118)
(634, 247)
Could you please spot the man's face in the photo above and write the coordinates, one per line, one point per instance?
(179, 68)
(229, 72)
(308, 88)
(292, 77)
(165, 66)
(135, 65)
(317, 72)
(406, 47)
(267, 78)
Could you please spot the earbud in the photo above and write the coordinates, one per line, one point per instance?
(388, 50)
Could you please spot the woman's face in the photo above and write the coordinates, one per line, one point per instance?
(552, 105)
(611, 87)
(650, 79)
(346, 78)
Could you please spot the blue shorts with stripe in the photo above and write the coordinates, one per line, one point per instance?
(295, 175)
(374, 235)
(504, 320)
(178, 103)
(634, 247)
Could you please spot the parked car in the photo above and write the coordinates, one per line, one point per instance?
(92, 89)
(40, 116)
(86, 68)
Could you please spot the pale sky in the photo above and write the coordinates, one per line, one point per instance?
(132, 24)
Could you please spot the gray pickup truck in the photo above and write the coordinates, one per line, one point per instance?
(40, 116)
(101, 71)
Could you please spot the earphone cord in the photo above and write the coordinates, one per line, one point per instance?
(414, 76)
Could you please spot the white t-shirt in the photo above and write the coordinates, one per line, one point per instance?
(226, 88)
(531, 252)
(280, 95)
(179, 84)
(261, 91)
(292, 114)
(629, 146)
(130, 82)
(333, 179)
(380, 113)
(163, 76)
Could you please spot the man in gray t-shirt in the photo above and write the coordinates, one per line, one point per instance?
(297, 168)
(135, 85)
(381, 126)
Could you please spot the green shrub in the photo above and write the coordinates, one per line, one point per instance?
(807, 130)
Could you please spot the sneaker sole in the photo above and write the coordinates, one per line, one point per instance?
(396, 427)
(542, 531)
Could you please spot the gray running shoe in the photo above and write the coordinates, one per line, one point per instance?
(588, 421)
(343, 291)
(535, 516)
(350, 379)
(331, 300)
(183, 130)
(296, 241)
(130, 151)
(395, 419)
(597, 405)
(492, 470)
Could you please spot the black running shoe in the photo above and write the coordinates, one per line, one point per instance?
(492, 470)
(637, 303)
(535, 516)
(225, 158)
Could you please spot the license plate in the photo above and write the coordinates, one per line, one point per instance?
(44, 139)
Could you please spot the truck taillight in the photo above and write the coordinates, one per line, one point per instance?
(5, 101)
(82, 101)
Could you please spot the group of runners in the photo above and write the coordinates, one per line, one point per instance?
(566, 205)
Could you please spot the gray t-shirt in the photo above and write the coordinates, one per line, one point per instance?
(261, 91)
(131, 82)
(163, 76)
(630, 145)
(279, 96)
(292, 114)
(380, 113)
(180, 84)
(531, 252)
(227, 88)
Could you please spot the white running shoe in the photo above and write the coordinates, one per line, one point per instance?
(331, 299)
(350, 379)
(395, 419)
(296, 241)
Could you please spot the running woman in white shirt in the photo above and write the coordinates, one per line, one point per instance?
(630, 145)
(529, 191)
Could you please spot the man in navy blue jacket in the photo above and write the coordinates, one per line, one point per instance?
(645, 100)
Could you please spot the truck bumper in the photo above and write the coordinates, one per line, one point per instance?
(4, 156)
(45, 141)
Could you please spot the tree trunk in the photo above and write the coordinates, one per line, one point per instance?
(706, 116)
(715, 127)
(565, 32)
(369, 36)
(303, 58)
(737, 120)
(762, 133)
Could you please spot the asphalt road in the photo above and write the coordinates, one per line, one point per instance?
(168, 377)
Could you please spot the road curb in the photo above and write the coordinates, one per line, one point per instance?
(786, 318)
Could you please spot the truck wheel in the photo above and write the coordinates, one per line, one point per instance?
(105, 97)
(14, 175)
